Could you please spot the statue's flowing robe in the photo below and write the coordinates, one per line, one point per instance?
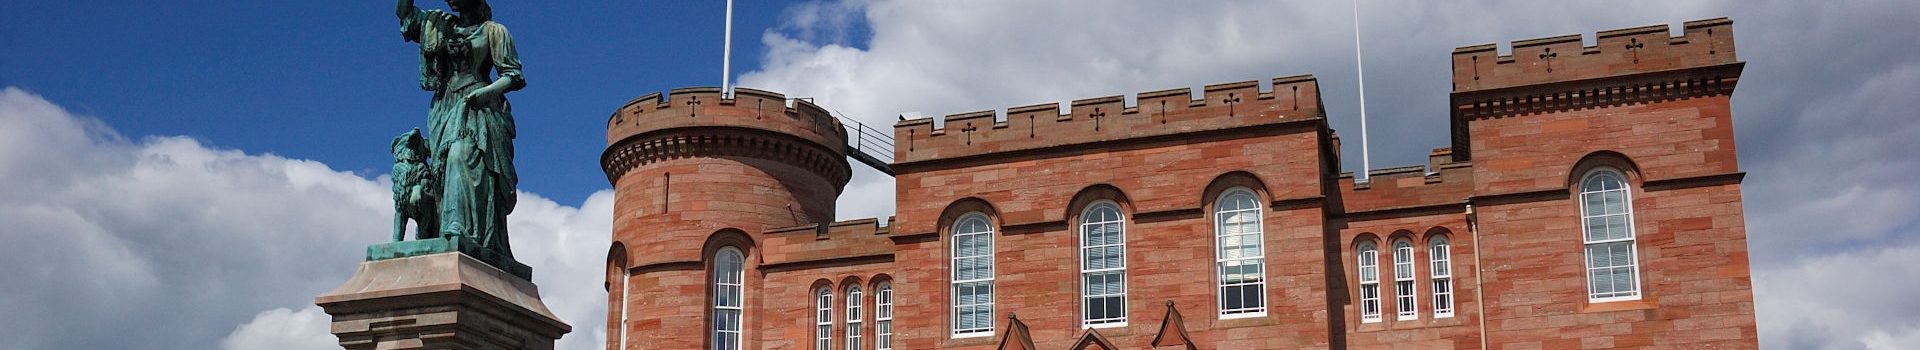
(471, 144)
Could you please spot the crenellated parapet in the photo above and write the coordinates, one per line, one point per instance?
(1623, 67)
(696, 122)
(1442, 184)
(1615, 52)
(1156, 113)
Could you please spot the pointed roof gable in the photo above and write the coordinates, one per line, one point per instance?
(1017, 337)
(1093, 340)
(1173, 330)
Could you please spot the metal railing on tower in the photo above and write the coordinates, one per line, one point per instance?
(868, 145)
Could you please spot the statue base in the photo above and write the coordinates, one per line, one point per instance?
(419, 247)
(439, 301)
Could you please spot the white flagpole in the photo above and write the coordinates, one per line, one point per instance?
(726, 59)
(1365, 163)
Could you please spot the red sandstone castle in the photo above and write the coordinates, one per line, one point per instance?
(1590, 199)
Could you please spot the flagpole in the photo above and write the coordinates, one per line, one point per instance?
(1359, 67)
(726, 56)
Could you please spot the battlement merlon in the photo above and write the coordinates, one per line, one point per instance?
(747, 108)
(700, 122)
(1110, 118)
(1703, 43)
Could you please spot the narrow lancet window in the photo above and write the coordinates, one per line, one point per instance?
(1103, 266)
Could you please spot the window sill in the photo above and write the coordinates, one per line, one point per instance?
(971, 335)
(1104, 325)
(1619, 305)
(1394, 324)
(1244, 315)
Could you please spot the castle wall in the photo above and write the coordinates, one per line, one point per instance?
(758, 172)
(694, 171)
(1666, 121)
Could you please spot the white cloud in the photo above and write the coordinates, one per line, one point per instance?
(1850, 300)
(284, 329)
(168, 243)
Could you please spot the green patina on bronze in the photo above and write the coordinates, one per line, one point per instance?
(458, 183)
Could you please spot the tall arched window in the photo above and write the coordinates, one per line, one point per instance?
(1103, 266)
(972, 276)
(883, 316)
(1606, 212)
(729, 278)
(1239, 254)
(1441, 256)
(1369, 263)
(823, 319)
(1403, 287)
(854, 308)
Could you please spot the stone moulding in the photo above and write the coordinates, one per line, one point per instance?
(419, 247)
(439, 301)
(721, 141)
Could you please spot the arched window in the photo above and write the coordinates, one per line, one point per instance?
(617, 313)
(1403, 287)
(1239, 254)
(854, 308)
(1103, 266)
(823, 319)
(883, 316)
(1606, 212)
(1369, 263)
(972, 276)
(728, 280)
(1441, 256)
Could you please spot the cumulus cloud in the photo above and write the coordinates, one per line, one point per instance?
(1849, 300)
(168, 243)
(284, 329)
(1823, 113)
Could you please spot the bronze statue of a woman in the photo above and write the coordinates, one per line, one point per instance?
(468, 62)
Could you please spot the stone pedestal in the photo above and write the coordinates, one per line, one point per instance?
(439, 301)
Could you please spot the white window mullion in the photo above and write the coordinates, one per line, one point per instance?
(1606, 223)
(729, 280)
(1406, 301)
(1441, 255)
(1103, 266)
(1239, 255)
(854, 309)
(823, 319)
(973, 254)
(883, 316)
(1369, 264)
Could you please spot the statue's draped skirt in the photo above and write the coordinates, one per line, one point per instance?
(473, 153)
(471, 143)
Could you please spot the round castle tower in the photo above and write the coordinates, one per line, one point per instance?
(695, 173)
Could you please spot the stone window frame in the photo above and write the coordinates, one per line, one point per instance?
(856, 305)
(1406, 286)
(1218, 220)
(721, 271)
(823, 318)
(1081, 224)
(954, 306)
(883, 315)
(1625, 181)
(1440, 275)
(1367, 254)
(617, 268)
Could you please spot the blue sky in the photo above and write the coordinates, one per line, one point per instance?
(331, 81)
(216, 164)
